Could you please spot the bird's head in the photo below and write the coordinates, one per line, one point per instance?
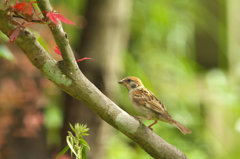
(131, 82)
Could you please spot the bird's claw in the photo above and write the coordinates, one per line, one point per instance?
(150, 128)
(137, 118)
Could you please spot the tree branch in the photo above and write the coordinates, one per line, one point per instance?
(61, 40)
(83, 90)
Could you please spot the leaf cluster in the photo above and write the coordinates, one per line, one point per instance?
(26, 11)
(76, 143)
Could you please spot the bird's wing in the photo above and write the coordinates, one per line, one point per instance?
(146, 98)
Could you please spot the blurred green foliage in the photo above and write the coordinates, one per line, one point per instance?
(4, 50)
(6, 53)
(162, 54)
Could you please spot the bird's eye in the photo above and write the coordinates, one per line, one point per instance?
(129, 80)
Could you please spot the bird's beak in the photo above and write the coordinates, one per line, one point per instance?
(121, 82)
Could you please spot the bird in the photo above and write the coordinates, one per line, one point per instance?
(148, 105)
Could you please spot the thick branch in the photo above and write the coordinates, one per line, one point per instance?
(83, 90)
(61, 40)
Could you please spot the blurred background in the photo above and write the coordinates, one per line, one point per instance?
(186, 52)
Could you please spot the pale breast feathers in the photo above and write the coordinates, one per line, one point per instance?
(147, 99)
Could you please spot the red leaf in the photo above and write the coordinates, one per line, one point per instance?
(53, 17)
(15, 23)
(11, 31)
(85, 58)
(14, 34)
(20, 6)
(63, 19)
(28, 9)
(57, 51)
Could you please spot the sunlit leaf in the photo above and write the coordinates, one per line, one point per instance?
(84, 126)
(72, 127)
(84, 153)
(85, 130)
(71, 146)
(76, 143)
(80, 151)
(63, 151)
(84, 143)
(72, 141)
(70, 133)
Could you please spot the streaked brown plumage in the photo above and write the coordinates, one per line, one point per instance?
(148, 105)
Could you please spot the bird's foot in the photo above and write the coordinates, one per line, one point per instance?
(139, 119)
(155, 122)
(150, 128)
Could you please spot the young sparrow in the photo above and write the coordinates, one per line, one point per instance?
(147, 104)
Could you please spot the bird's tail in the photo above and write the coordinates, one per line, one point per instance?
(181, 127)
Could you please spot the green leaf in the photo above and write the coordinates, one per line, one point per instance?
(76, 143)
(72, 141)
(63, 151)
(84, 153)
(82, 142)
(80, 151)
(70, 133)
(84, 126)
(72, 127)
(71, 146)
(85, 130)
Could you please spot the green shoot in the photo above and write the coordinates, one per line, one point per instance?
(76, 143)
